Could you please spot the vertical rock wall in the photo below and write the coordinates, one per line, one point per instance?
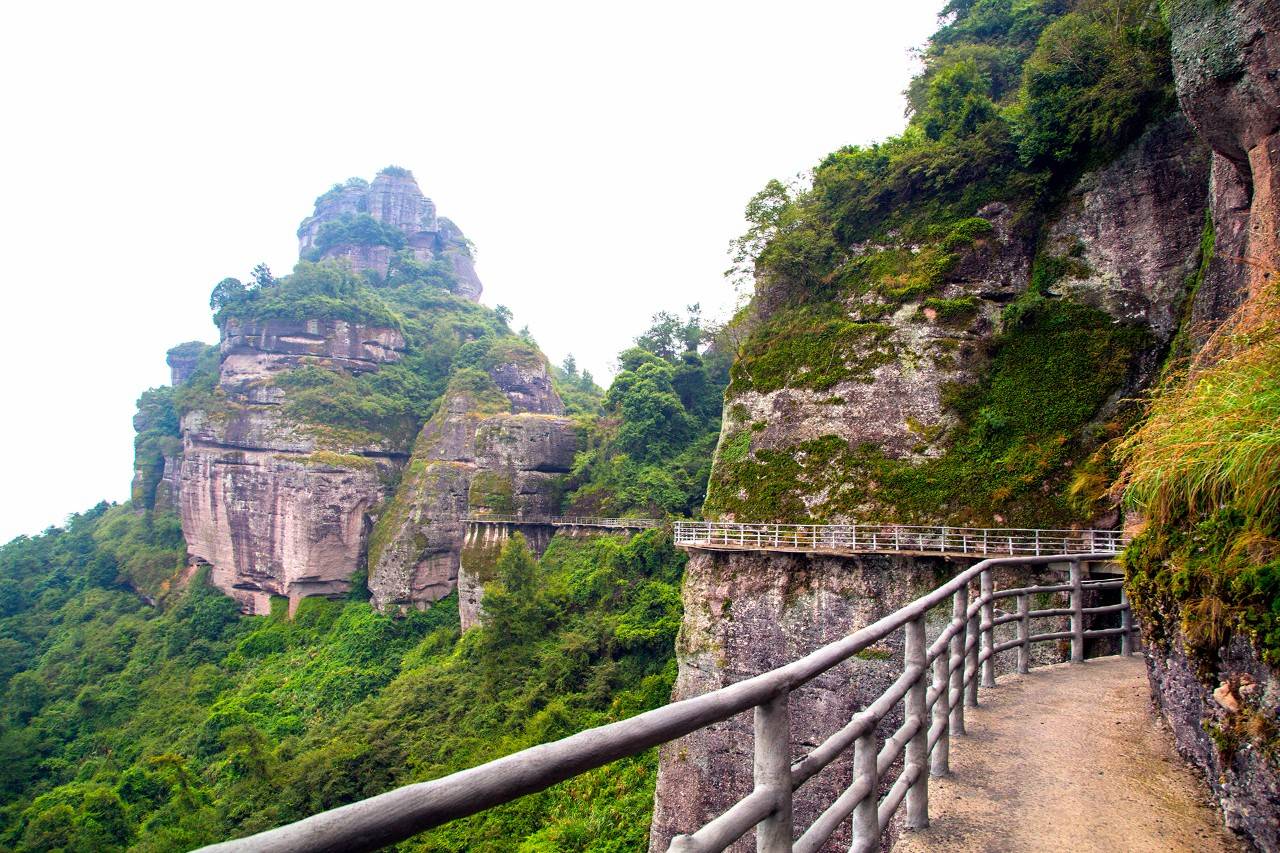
(275, 506)
(393, 199)
(502, 456)
(1227, 68)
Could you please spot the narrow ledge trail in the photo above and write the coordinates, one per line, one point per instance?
(1068, 757)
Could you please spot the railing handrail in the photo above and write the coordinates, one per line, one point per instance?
(563, 520)
(891, 538)
(403, 812)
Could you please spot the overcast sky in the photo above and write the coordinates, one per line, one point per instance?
(598, 154)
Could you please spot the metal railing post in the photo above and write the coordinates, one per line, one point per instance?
(1077, 614)
(773, 771)
(1126, 623)
(1024, 633)
(959, 604)
(866, 817)
(971, 661)
(987, 584)
(940, 759)
(917, 750)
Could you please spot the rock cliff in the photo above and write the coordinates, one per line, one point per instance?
(276, 505)
(295, 467)
(1227, 66)
(498, 445)
(368, 223)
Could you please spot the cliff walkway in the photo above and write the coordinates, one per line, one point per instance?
(845, 539)
(907, 539)
(900, 742)
(564, 521)
(1068, 758)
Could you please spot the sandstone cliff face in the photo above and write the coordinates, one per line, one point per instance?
(392, 199)
(1130, 234)
(275, 506)
(1136, 226)
(1227, 68)
(1226, 61)
(500, 454)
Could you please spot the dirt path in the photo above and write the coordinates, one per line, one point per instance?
(1068, 758)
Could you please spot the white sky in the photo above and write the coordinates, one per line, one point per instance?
(599, 155)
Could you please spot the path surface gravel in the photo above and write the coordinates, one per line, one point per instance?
(1068, 758)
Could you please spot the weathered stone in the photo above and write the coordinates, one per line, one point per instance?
(393, 198)
(252, 350)
(1243, 779)
(182, 361)
(1136, 225)
(1226, 62)
(469, 459)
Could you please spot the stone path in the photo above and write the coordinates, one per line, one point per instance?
(1068, 758)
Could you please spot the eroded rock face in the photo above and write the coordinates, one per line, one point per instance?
(470, 457)
(1246, 786)
(1135, 226)
(275, 506)
(1226, 58)
(254, 350)
(394, 199)
(1130, 233)
(1226, 62)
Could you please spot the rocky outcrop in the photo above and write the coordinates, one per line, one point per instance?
(1211, 721)
(183, 359)
(253, 351)
(1227, 68)
(1135, 228)
(1128, 241)
(394, 200)
(501, 452)
(272, 509)
(277, 506)
(1226, 62)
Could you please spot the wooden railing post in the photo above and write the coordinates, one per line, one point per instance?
(1126, 623)
(940, 759)
(1024, 633)
(987, 586)
(866, 817)
(917, 751)
(959, 604)
(1077, 614)
(773, 771)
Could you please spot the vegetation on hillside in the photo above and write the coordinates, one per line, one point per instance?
(1204, 470)
(650, 452)
(1016, 100)
(130, 726)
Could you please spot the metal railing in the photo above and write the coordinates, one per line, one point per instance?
(566, 521)
(939, 679)
(888, 538)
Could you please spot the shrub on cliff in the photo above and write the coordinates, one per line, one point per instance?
(1204, 468)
